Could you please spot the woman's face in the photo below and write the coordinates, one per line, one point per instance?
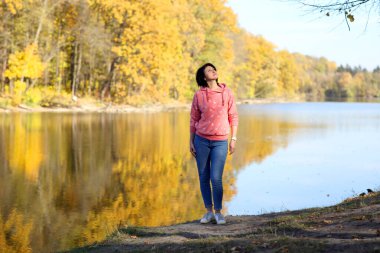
(210, 73)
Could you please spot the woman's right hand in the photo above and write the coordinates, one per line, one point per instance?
(192, 149)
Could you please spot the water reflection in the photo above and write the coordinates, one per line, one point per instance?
(69, 180)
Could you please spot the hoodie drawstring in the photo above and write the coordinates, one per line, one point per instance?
(208, 98)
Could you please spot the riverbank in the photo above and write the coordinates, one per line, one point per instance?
(350, 226)
(96, 106)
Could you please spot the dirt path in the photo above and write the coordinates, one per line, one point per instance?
(351, 226)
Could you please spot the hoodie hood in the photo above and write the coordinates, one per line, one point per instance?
(206, 91)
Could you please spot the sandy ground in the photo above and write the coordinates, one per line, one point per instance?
(351, 226)
(89, 107)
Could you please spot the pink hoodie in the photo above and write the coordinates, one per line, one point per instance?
(213, 112)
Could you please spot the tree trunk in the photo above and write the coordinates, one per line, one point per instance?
(90, 78)
(42, 17)
(11, 87)
(2, 89)
(90, 82)
(72, 74)
(30, 86)
(78, 68)
(58, 74)
(107, 84)
(46, 77)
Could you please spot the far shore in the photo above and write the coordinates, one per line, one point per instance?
(116, 108)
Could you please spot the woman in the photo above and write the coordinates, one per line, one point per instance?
(213, 113)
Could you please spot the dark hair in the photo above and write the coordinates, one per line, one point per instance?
(200, 76)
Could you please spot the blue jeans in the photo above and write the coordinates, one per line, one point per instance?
(211, 157)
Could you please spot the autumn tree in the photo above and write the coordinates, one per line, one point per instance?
(141, 52)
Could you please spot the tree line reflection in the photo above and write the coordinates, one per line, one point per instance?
(69, 180)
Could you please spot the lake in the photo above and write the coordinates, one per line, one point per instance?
(71, 179)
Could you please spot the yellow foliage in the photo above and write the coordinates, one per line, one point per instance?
(256, 66)
(14, 5)
(18, 90)
(26, 63)
(344, 80)
(15, 234)
(100, 225)
(288, 83)
(26, 151)
(35, 96)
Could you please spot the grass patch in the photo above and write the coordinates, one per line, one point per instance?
(288, 222)
(288, 244)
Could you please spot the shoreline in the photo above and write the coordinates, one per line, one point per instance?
(350, 226)
(99, 107)
(116, 108)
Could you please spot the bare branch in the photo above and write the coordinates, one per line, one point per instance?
(349, 8)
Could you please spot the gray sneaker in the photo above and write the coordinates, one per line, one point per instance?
(208, 217)
(220, 219)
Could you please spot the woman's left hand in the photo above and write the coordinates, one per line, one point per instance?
(232, 146)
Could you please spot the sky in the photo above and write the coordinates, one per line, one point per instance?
(290, 26)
